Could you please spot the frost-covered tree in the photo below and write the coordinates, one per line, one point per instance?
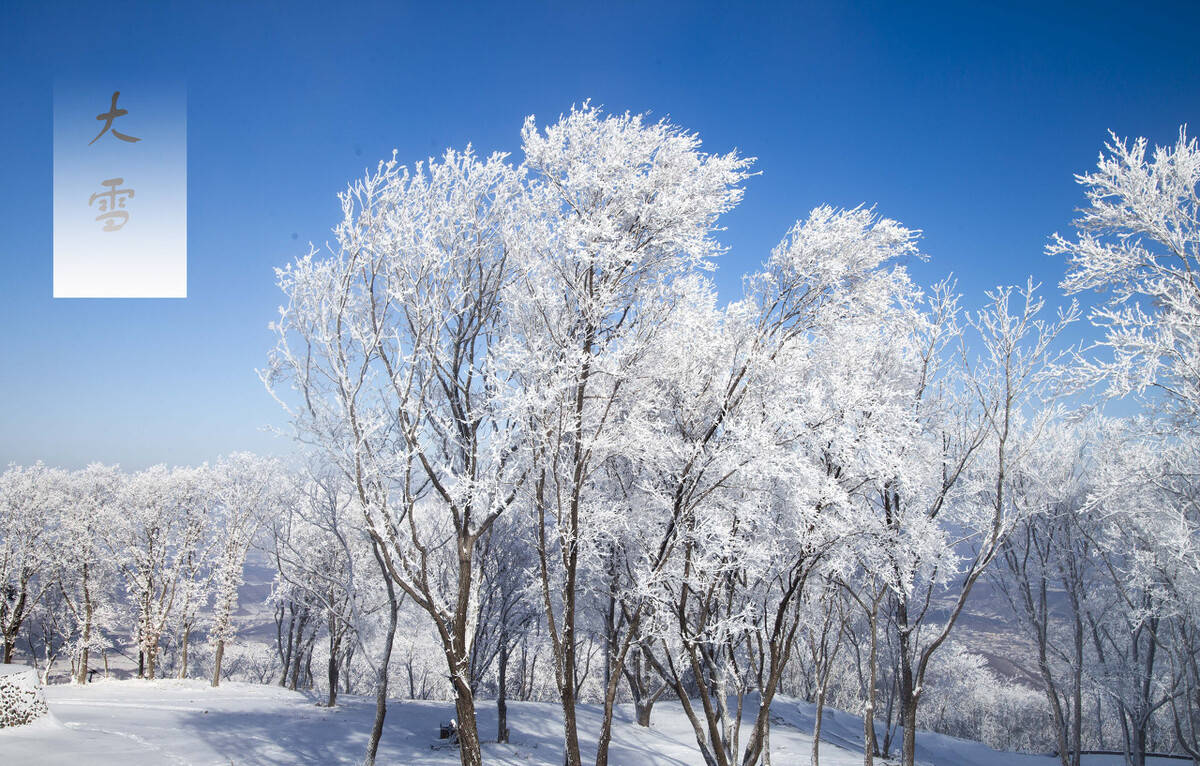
(765, 430)
(324, 561)
(388, 343)
(245, 489)
(1138, 243)
(160, 525)
(194, 571)
(625, 209)
(1050, 559)
(31, 499)
(47, 632)
(507, 606)
(86, 575)
(951, 505)
(1148, 596)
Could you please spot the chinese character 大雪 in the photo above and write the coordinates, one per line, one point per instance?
(110, 203)
(108, 117)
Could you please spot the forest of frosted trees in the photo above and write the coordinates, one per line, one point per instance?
(536, 458)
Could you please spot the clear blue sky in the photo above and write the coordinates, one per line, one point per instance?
(966, 120)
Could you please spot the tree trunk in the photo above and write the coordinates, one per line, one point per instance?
(308, 674)
(908, 716)
(816, 745)
(151, 660)
(502, 692)
(571, 560)
(286, 654)
(1139, 744)
(1054, 702)
(908, 691)
(567, 680)
(612, 657)
(643, 698)
(570, 725)
(183, 662)
(642, 709)
(87, 628)
(333, 679)
(615, 668)
(381, 679)
(870, 743)
(468, 732)
(1077, 695)
(216, 678)
(298, 651)
(605, 739)
(766, 747)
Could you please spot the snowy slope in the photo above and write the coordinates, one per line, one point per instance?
(145, 723)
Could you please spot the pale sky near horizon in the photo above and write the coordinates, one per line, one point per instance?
(965, 122)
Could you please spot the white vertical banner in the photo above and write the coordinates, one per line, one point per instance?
(120, 188)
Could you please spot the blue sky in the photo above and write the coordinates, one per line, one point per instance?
(965, 120)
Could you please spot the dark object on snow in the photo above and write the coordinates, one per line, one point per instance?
(449, 730)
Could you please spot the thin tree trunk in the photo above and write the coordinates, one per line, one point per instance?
(908, 691)
(286, 655)
(571, 561)
(816, 745)
(151, 659)
(502, 692)
(183, 663)
(766, 747)
(570, 725)
(1077, 694)
(332, 674)
(87, 628)
(870, 743)
(298, 652)
(615, 667)
(216, 679)
(381, 678)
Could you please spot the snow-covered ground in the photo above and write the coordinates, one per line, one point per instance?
(144, 723)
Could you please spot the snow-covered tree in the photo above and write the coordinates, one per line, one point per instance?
(31, 499)
(766, 430)
(625, 209)
(160, 525)
(1138, 243)
(507, 606)
(86, 574)
(389, 343)
(950, 506)
(245, 489)
(324, 561)
(1051, 556)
